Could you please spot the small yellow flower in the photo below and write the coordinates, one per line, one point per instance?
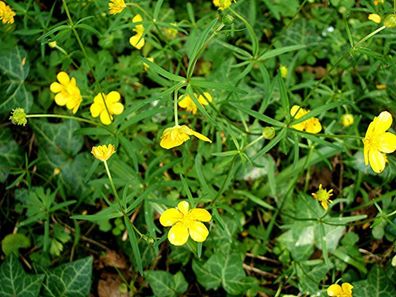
(185, 223)
(311, 125)
(347, 119)
(116, 6)
(323, 196)
(335, 290)
(18, 117)
(222, 4)
(106, 106)
(283, 71)
(137, 40)
(52, 44)
(103, 152)
(376, 2)
(378, 142)
(6, 13)
(374, 18)
(187, 102)
(145, 65)
(67, 92)
(177, 135)
(381, 86)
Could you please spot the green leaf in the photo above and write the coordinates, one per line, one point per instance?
(15, 282)
(279, 51)
(10, 156)
(377, 285)
(69, 280)
(165, 284)
(310, 277)
(13, 242)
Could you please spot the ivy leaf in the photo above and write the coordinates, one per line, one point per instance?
(15, 282)
(10, 155)
(165, 284)
(377, 285)
(69, 280)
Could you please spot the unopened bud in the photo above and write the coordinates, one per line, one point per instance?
(268, 133)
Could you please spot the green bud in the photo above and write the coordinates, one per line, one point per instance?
(390, 21)
(268, 132)
(18, 117)
(228, 19)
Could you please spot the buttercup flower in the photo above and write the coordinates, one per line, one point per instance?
(335, 290)
(374, 18)
(106, 106)
(185, 223)
(67, 92)
(378, 142)
(311, 125)
(187, 102)
(222, 4)
(323, 196)
(103, 152)
(116, 6)
(177, 135)
(6, 13)
(137, 40)
(347, 119)
(18, 117)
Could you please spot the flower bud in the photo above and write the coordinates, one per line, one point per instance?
(390, 21)
(268, 133)
(18, 117)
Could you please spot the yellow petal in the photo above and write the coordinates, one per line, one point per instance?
(204, 98)
(374, 18)
(382, 123)
(377, 161)
(100, 98)
(137, 41)
(113, 97)
(172, 137)
(183, 207)
(200, 214)
(96, 109)
(325, 204)
(56, 87)
(313, 126)
(387, 142)
(347, 288)
(200, 136)
(198, 231)
(334, 290)
(105, 117)
(116, 108)
(297, 112)
(366, 151)
(137, 19)
(178, 234)
(170, 217)
(61, 99)
(63, 78)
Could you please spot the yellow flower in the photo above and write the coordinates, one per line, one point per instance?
(345, 290)
(116, 6)
(137, 40)
(185, 223)
(6, 13)
(222, 4)
(283, 71)
(106, 106)
(187, 102)
(52, 44)
(323, 196)
(311, 125)
(347, 119)
(374, 18)
(67, 91)
(103, 152)
(378, 142)
(177, 135)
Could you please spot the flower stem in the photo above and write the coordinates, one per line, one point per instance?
(112, 183)
(62, 116)
(175, 111)
(369, 36)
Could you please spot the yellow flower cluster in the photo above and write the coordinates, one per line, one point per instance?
(335, 290)
(222, 4)
(67, 92)
(378, 142)
(116, 6)
(105, 106)
(6, 13)
(311, 125)
(188, 103)
(177, 135)
(137, 40)
(185, 223)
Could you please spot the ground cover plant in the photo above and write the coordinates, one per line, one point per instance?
(197, 148)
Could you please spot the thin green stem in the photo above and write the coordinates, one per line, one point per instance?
(368, 36)
(175, 111)
(61, 116)
(253, 142)
(112, 183)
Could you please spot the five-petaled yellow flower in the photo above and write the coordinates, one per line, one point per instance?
(137, 40)
(188, 103)
(67, 92)
(106, 106)
(347, 120)
(103, 152)
(378, 142)
(311, 125)
(185, 222)
(177, 135)
(323, 196)
(116, 6)
(335, 290)
(222, 4)
(6, 13)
